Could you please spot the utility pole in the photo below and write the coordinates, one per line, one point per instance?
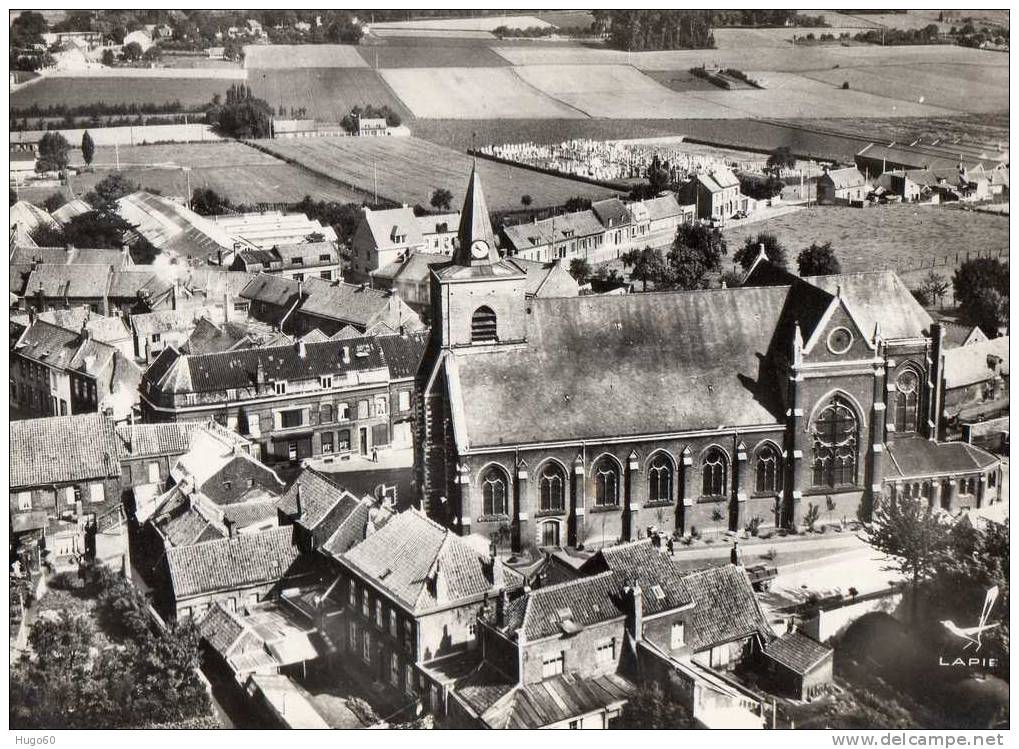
(116, 148)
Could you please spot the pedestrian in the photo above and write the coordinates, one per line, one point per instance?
(671, 547)
(375, 455)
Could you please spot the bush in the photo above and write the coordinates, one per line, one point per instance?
(65, 581)
(753, 527)
(845, 85)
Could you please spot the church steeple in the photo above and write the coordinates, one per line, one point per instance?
(475, 238)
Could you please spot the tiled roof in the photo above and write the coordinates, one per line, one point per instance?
(183, 520)
(916, 457)
(104, 329)
(402, 353)
(166, 320)
(19, 274)
(71, 281)
(128, 284)
(561, 698)
(605, 360)
(414, 268)
(977, 362)
(220, 628)
(314, 336)
(957, 334)
(586, 601)
(59, 449)
(845, 178)
(560, 228)
(423, 565)
(239, 479)
(611, 212)
(439, 223)
(725, 607)
(386, 226)
(244, 514)
(143, 440)
(797, 651)
(347, 529)
(318, 496)
(660, 579)
(309, 252)
(236, 369)
(662, 207)
(231, 563)
(359, 305)
(51, 344)
(210, 338)
(271, 289)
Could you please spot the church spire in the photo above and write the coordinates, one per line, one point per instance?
(475, 238)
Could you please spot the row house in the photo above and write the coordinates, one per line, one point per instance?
(796, 392)
(65, 482)
(297, 261)
(59, 372)
(715, 194)
(842, 186)
(604, 232)
(294, 401)
(383, 237)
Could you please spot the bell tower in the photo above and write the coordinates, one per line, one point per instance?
(478, 299)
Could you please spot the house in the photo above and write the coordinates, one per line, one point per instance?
(959, 334)
(384, 237)
(715, 193)
(294, 401)
(582, 460)
(293, 128)
(67, 468)
(912, 185)
(409, 277)
(616, 219)
(147, 452)
(297, 261)
(209, 337)
(877, 158)
(412, 591)
(60, 372)
(799, 665)
(111, 330)
(976, 376)
(841, 186)
(140, 37)
(22, 163)
(372, 126)
(155, 331)
(564, 237)
(118, 259)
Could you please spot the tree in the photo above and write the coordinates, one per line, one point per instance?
(110, 189)
(88, 148)
(442, 199)
(27, 29)
(580, 269)
(818, 260)
(207, 202)
(981, 291)
(242, 115)
(935, 286)
(53, 150)
(811, 516)
(647, 264)
(651, 708)
(132, 51)
(152, 54)
(911, 534)
(779, 159)
(108, 58)
(696, 252)
(526, 200)
(577, 203)
(747, 254)
(54, 201)
(100, 229)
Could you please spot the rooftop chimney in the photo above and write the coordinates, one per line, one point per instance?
(302, 349)
(300, 503)
(345, 354)
(635, 617)
(500, 608)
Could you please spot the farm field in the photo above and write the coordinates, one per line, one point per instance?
(426, 35)
(285, 56)
(432, 56)
(885, 237)
(79, 91)
(964, 87)
(410, 169)
(567, 18)
(483, 23)
(680, 80)
(788, 58)
(615, 91)
(234, 170)
(472, 93)
(327, 93)
(740, 38)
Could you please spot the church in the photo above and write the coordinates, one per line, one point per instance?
(585, 420)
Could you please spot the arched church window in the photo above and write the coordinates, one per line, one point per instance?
(769, 469)
(494, 492)
(659, 477)
(483, 327)
(606, 482)
(715, 473)
(552, 488)
(834, 445)
(907, 394)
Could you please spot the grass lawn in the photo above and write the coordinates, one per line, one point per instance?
(110, 90)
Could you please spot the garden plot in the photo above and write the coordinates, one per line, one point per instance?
(472, 93)
(787, 95)
(284, 56)
(615, 91)
(964, 87)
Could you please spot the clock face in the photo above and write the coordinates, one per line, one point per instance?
(479, 250)
(839, 341)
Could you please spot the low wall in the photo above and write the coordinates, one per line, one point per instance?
(827, 624)
(619, 186)
(129, 135)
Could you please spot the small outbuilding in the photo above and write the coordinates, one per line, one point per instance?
(799, 666)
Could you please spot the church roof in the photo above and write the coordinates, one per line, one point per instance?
(603, 363)
(878, 296)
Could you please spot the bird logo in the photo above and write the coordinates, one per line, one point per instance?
(973, 635)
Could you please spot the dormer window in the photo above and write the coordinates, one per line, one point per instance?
(326, 381)
(280, 387)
